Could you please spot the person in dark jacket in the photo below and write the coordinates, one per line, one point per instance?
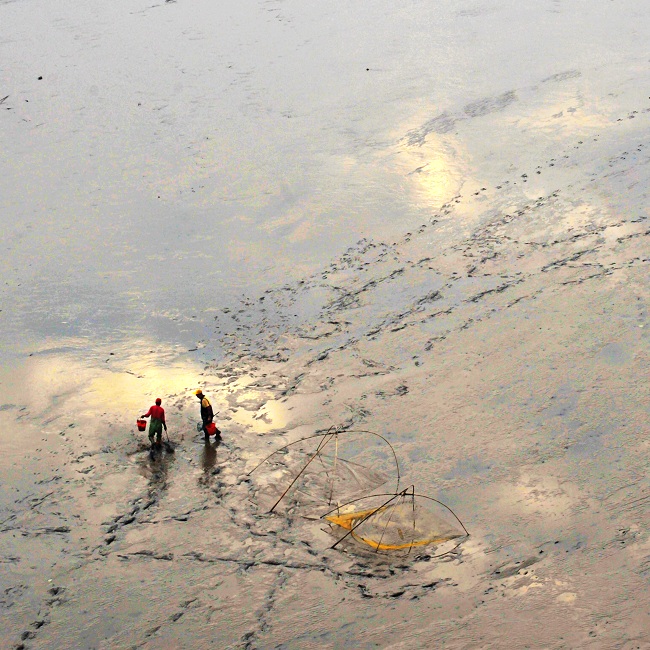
(157, 423)
(207, 414)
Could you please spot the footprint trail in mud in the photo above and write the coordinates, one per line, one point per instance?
(518, 253)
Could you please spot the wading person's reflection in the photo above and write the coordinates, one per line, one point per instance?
(156, 469)
(208, 460)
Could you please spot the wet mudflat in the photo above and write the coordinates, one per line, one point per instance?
(402, 221)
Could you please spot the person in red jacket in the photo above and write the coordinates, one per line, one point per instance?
(157, 423)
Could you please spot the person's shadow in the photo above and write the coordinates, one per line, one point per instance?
(208, 461)
(155, 467)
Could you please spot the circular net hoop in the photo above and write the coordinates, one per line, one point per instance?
(398, 522)
(324, 470)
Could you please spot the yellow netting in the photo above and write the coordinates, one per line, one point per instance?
(320, 471)
(400, 525)
(348, 520)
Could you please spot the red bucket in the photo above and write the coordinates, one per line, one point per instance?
(211, 429)
(142, 424)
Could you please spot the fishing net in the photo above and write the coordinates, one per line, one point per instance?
(399, 522)
(325, 470)
(325, 482)
(335, 476)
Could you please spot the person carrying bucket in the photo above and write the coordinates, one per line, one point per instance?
(157, 423)
(207, 415)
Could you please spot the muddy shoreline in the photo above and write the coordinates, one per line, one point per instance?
(448, 246)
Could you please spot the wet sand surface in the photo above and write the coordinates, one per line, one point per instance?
(429, 222)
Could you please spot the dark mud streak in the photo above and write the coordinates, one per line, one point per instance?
(443, 123)
(562, 76)
(490, 105)
(54, 599)
(350, 297)
(249, 563)
(167, 557)
(446, 122)
(508, 570)
(500, 289)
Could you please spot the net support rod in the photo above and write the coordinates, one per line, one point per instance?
(383, 505)
(383, 532)
(295, 442)
(336, 457)
(321, 444)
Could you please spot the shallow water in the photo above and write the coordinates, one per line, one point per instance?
(426, 221)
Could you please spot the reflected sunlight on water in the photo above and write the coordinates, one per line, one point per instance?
(435, 170)
(249, 405)
(117, 382)
(263, 417)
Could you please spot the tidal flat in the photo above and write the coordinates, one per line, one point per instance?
(427, 221)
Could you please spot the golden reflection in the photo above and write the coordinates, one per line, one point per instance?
(270, 416)
(435, 170)
(254, 407)
(142, 383)
(124, 379)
